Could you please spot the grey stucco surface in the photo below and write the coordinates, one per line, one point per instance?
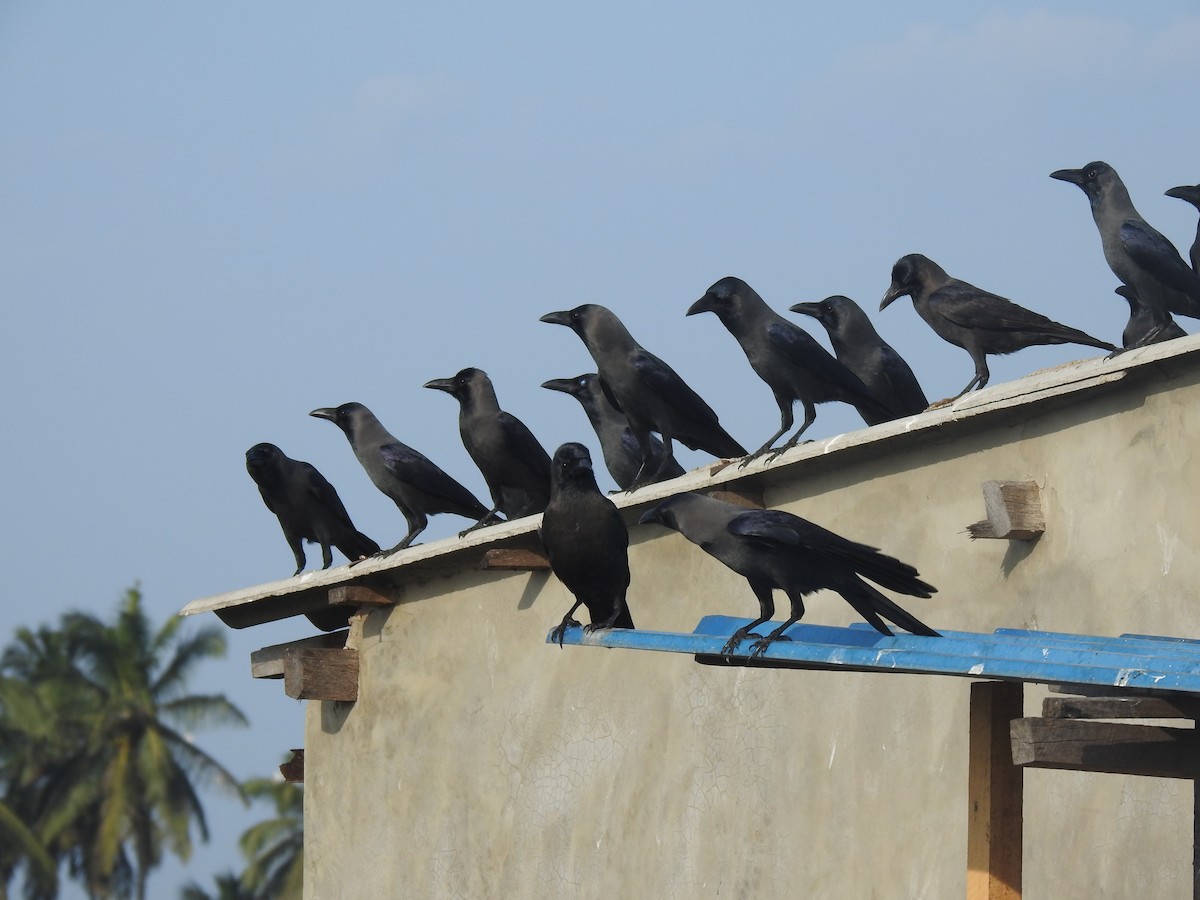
(481, 762)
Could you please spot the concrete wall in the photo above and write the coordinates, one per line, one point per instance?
(481, 762)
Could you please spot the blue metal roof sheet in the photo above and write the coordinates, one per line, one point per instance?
(1129, 661)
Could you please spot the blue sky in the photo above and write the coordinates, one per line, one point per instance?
(219, 216)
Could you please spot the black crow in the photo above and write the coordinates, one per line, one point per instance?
(1138, 255)
(789, 359)
(648, 391)
(307, 506)
(861, 350)
(1190, 193)
(1146, 324)
(974, 319)
(773, 550)
(513, 463)
(587, 543)
(622, 455)
(418, 487)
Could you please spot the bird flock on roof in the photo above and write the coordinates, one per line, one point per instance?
(639, 406)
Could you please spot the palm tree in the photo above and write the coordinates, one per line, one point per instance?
(275, 847)
(229, 887)
(112, 780)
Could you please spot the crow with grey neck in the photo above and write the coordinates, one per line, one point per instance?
(1138, 254)
(418, 487)
(775, 550)
(513, 463)
(307, 506)
(980, 322)
(587, 543)
(1191, 194)
(622, 456)
(650, 393)
(785, 356)
(861, 350)
(1146, 324)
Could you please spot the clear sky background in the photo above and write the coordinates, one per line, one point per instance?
(218, 216)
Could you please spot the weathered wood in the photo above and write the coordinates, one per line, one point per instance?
(319, 674)
(1120, 708)
(739, 497)
(1116, 748)
(515, 560)
(358, 595)
(293, 770)
(1013, 510)
(268, 662)
(995, 795)
(1107, 690)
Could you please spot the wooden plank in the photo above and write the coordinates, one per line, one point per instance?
(1013, 510)
(995, 795)
(358, 595)
(515, 560)
(1116, 748)
(739, 496)
(1120, 708)
(293, 770)
(319, 674)
(268, 661)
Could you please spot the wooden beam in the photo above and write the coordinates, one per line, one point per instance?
(739, 496)
(318, 674)
(995, 794)
(268, 662)
(293, 770)
(1117, 748)
(1120, 708)
(1013, 510)
(358, 595)
(515, 560)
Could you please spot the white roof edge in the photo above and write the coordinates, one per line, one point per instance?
(1070, 378)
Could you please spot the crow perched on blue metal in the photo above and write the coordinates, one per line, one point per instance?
(773, 550)
(622, 455)
(513, 463)
(307, 506)
(417, 486)
(649, 392)
(789, 359)
(861, 350)
(587, 543)
(980, 322)
(1138, 254)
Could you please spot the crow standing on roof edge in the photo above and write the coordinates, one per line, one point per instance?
(307, 506)
(785, 356)
(417, 486)
(648, 391)
(622, 455)
(515, 466)
(980, 322)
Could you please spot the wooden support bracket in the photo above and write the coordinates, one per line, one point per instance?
(1112, 747)
(514, 560)
(1120, 708)
(1013, 510)
(995, 794)
(739, 497)
(293, 770)
(358, 595)
(311, 673)
(268, 662)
